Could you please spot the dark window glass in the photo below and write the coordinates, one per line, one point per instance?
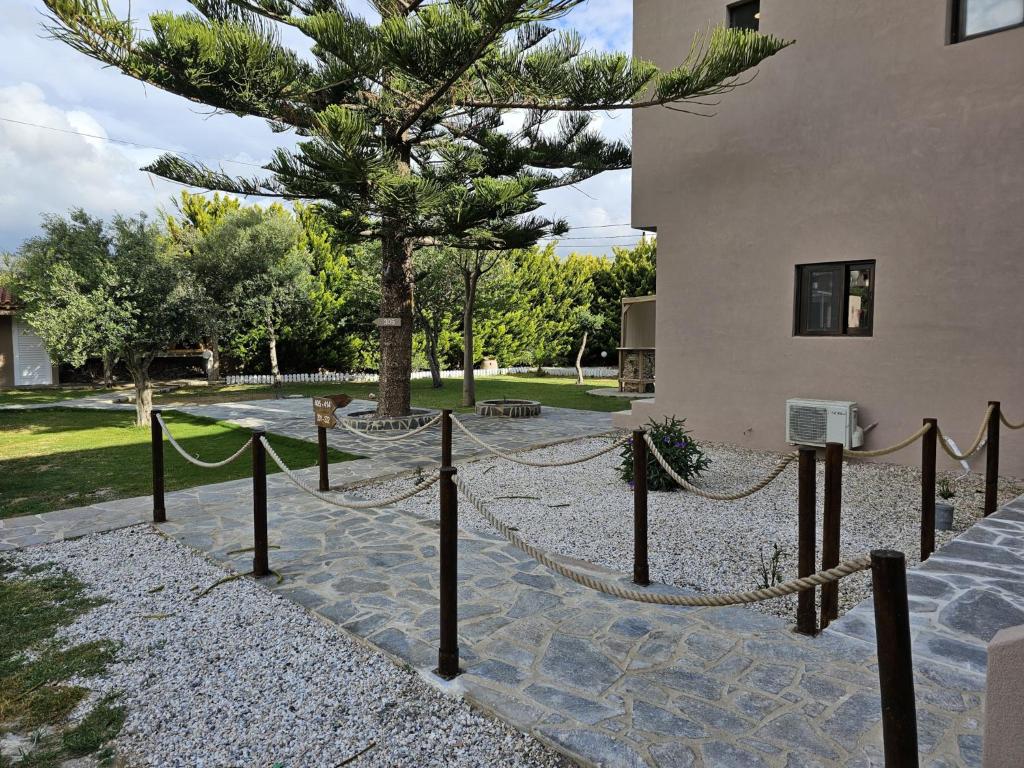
(745, 15)
(835, 299)
(979, 17)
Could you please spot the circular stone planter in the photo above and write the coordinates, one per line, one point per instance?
(512, 409)
(368, 421)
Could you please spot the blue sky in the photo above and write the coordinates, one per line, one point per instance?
(45, 82)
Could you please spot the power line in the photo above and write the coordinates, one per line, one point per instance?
(121, 141)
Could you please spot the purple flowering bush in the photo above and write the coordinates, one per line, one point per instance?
(677, 446)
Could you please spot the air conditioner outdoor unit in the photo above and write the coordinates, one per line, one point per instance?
(816, 422)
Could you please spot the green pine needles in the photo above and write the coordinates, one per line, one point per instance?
(401, 120)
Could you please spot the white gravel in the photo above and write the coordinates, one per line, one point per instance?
(242, 677)
(585, 511)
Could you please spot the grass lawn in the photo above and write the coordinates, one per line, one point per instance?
(47, 396)
(36, 697)
(561, 392)
(56, 458)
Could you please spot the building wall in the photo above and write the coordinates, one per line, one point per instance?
(868, 139)
(6, 352)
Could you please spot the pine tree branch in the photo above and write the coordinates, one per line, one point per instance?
(487, 40)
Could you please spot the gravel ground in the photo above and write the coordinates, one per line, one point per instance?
(585, 511)
(242, 677)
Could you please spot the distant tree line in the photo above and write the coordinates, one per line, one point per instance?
(269, 288)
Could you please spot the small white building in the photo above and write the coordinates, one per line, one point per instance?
(24, 361)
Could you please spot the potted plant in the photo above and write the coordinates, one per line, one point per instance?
(944, 507)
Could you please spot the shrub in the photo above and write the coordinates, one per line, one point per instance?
(679, 449)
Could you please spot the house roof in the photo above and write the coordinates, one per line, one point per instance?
(7, 302)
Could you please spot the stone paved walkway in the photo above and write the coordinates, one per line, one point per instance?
(609, 682)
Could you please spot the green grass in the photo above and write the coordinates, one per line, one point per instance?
(561, 392)
(49, 396)
(35, 668)
(56, 458)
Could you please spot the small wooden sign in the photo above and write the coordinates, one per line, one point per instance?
(390, 322)
(324, 407)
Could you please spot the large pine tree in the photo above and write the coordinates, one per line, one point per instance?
(406, 135)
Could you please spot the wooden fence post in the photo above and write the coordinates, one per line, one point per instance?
(895, 663)
(929, 444)
(831, 527)
(156, 437)
(992, 461)
(321, 439)
(448, 646)
(260, 544)
(641, 571)
(806, 621)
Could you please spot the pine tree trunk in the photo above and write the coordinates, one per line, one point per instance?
(138, 366)
(396, 286)
(275, 371)
(579, 359)
(468, 376)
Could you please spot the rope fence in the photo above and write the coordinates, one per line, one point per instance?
(1009, 424)
(683, 483)
(793, 586)
(195, 459)
(530, 463)
(878, 453)
(978, 440)
(344, 503)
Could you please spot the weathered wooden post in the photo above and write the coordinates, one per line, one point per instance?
(156, 438)
(895, 663)
(260, 563)
(321, 439)
(831, 526)
(929, 445)
(992, 460)
(448, 647)
(806, 545)
(641, 571)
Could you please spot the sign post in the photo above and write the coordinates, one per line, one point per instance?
(324, 407)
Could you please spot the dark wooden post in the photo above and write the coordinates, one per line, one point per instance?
(992, 461)
(260, 564)
(895, 664)
(830, 529)
(156, 437)
(448, 647)
(806, 621)
(929, 444)
(321, 439)
(641, 571)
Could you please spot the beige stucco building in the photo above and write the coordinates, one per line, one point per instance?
(849, 226)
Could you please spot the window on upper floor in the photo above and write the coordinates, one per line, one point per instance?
(972, 18)
(745, 15)
(835, 299)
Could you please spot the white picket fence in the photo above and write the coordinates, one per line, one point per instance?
(302, 378)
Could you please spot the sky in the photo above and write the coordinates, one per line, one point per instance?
(53, 168)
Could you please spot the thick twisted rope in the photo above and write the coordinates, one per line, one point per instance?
(346, 503)
(1009, 424)
(891, 449)
(977, 440)
(190, 458)
(790, 587)
(531, 463)
(393, 439)
(711, 495)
